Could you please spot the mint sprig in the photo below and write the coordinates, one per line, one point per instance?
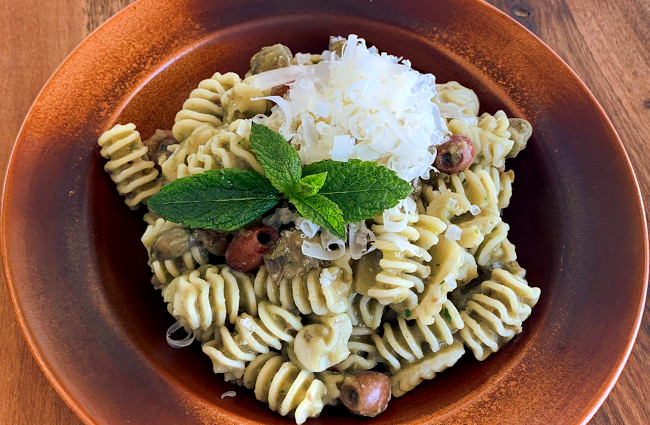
(362, 189)
(330, 193)
(224, 199)
(279, 159)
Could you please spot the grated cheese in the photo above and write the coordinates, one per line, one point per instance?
(362, 105)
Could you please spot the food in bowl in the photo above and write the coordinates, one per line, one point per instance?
(329, 227)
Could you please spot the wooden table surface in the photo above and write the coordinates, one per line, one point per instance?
(605, 42)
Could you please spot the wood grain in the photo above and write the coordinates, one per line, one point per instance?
(604, 42)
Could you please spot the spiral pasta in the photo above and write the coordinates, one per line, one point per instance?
(491, 137)
(455, 209)
(286, 388)
(209, 148)
(128, 164)
(321, 291)
(321, 345)
(453, 93)
(204, 105)
(451, 265)
(231, 351)
(412, 341)
(494, 315)
(210, 297)
(167, 267)
(496, 249)
(237, 102)
(363, 353)
(404, 257)
(365, 310)
(412, 375)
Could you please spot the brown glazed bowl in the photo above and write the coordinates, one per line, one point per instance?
(78, 274)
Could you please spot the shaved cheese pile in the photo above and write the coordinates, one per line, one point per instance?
(361, 105)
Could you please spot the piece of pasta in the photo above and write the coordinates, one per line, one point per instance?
(494, 315)
(496, 249)
(204, 105)
(451, 265)
(412, 375)
(456, 211)
(453, 98)
(128, 164)
(238, 102)
(231, 351)
(286, 388)
(479, 186)
(491, 137)
(210, 297)
(167, 266)
(365, 310)
(321, 345)
(411, 341)
(209, 148)
(363, 353)
(333, 382)
(321, 290)
(404, 257)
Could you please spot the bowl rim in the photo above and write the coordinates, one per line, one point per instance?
(56, 380)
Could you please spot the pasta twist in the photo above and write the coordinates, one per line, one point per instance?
(204, 105)
(209, 297)
(231, 351)
(321, 345)
(363, 353)
(128, 164)
(209, 148)
(321, 291)
(413, 374)
(494, 315)
(479, 187)
(237, 102)
(491, 137)
(451, 265)
(453, 93)
(496, 249)
(165, 269)
(286, 388)
(411, 342)
(404, 257)
(365, 310)
(455, 209)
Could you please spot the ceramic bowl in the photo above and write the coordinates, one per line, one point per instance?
(78, 274)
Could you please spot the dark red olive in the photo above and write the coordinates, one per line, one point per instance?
(366, 393)
(455, 155)
(247, 248)
(280, 90)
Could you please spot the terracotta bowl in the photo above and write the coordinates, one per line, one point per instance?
(77, 271)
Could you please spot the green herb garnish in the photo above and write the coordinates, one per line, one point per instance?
(329, 193)
(407, 313)
(446, 314)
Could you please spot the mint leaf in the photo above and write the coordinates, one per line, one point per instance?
(362, 189)
(279, 159)
(321, 211)
(308, 185)
(224, 199)
(315, 180)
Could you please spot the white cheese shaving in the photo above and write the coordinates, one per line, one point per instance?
(248, 323)
(329, 276)
(362, 105)
(323, 251)
(359, 239)
(475, 210)
(451, 282)
(453, 232)
(228, 394)
(307, 227)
